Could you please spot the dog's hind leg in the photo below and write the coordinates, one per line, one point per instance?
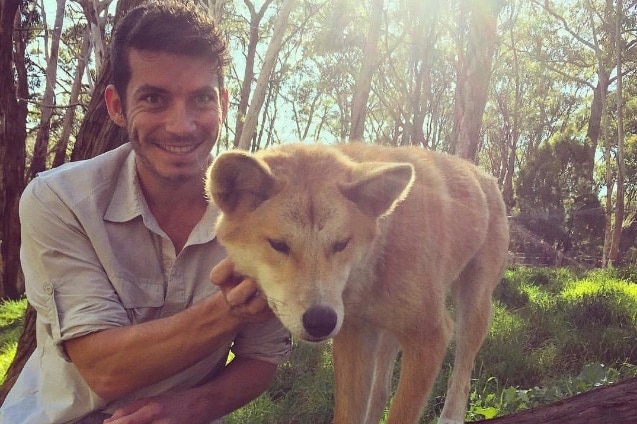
(354, 367)
(472, 297)
(422, 356)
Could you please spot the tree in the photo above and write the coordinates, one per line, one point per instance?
(40, 150)
(475, 49)
(613, 236)
(367, 69)
(258, 96)
(250, 56)
(98, 134)
(556, 202)
(12, 143)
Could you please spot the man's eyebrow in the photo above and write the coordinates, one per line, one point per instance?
(148, 88)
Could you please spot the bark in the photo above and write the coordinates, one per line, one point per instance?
(271, 54)
(92, 12)
(423, 23)
(613, 254)
(41, 147)
(12, 146)
(248, 74)
(98, 134)
(69, 115)
(369, 65)
(614, 404)
(474, 75)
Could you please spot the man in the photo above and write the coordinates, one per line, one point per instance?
(117, 250)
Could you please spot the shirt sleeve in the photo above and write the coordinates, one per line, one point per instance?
(268, 341)
(64, 279)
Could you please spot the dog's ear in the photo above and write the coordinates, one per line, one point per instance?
(376, 188)
(239, 181)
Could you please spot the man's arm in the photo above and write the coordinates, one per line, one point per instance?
(240, 382)
(118, 361)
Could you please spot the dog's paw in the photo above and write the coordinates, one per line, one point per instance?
(448, 421)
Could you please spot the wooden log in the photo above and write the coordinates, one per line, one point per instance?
(613, 404)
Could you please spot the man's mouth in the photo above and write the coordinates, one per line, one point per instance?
(179, 148)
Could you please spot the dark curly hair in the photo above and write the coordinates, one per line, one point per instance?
(178, 27)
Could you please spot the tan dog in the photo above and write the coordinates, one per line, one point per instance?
(362, 244)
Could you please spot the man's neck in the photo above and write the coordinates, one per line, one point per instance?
(176, 207)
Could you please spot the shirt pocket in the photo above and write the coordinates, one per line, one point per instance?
(143, 298)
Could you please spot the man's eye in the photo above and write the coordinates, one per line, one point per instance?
(279, 246)
(152, 99)
(205, 100)
(341, 245)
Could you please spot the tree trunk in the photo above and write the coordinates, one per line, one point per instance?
(41, 147)
(248, 74)
(12, 147)
(474, 73)
(98, 134)
(614, 404)
(258, 97)
(69, 115)
(369, 65)
(620, 203)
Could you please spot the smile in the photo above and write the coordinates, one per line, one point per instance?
(179, 148)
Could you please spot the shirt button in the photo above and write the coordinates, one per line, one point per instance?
(48, 288)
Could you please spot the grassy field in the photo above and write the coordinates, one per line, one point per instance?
(555, 333)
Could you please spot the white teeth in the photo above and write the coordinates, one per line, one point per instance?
(179, 149)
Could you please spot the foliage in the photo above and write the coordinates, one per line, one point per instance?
(556, 200)
(11, 314)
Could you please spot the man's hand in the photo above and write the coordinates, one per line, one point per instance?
(242, 295)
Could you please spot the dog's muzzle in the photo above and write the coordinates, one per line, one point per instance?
(319, 321)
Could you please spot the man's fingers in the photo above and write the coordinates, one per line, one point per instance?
(242, 293)
(223, 273)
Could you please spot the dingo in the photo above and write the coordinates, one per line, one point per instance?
(362, 243)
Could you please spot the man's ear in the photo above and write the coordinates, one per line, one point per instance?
(114, 106)
(378, 187)
(238, 181)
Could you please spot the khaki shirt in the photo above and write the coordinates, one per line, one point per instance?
(95, 258)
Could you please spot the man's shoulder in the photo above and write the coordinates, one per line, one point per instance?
(105, 163)
(80, 179)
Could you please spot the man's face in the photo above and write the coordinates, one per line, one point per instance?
(174, 110)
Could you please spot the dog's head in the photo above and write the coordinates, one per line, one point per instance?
(298, 220)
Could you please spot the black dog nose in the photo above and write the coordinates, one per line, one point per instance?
(319, 321)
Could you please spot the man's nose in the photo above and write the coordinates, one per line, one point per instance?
(180, 120)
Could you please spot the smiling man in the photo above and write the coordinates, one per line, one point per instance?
(117, 252)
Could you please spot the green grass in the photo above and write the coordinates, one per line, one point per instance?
(11, 313)
(555, 333)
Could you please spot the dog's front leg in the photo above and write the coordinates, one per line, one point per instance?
(354, 372)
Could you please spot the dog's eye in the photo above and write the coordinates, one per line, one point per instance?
(279, 246)
(339, 246)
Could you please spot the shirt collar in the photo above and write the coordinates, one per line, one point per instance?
(128, 203)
